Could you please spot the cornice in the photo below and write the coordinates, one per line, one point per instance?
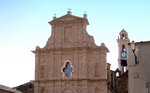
(88, 49)
(123, 40)
(62, 80)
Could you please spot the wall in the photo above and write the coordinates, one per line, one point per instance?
(139, 73)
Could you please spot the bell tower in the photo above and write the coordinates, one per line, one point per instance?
(123, 41)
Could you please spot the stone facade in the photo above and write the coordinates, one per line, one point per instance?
(118, 83)
(70, 62)
(109, 90)
(139, 73)
(122, 83)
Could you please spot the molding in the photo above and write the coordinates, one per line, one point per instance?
(88, 49)
(62, 80)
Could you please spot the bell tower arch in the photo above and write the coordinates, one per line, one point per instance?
(123, 41)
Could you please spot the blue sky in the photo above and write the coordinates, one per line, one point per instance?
(24, 25)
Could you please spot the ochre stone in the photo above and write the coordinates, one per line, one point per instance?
(70, 42)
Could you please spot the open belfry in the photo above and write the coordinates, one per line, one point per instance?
(70, 62)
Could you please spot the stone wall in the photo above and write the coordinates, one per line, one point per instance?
(70, 44)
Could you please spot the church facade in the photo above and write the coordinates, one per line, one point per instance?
(70, 62)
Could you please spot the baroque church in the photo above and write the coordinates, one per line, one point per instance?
(70, 62)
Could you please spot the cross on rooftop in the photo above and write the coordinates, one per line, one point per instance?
(54, 15)
(69, 9)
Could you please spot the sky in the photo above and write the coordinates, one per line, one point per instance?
(24, 25)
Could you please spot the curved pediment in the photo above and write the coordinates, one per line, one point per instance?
(69, 31)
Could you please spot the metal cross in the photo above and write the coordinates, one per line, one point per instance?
(69, 9)
(54, 15)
